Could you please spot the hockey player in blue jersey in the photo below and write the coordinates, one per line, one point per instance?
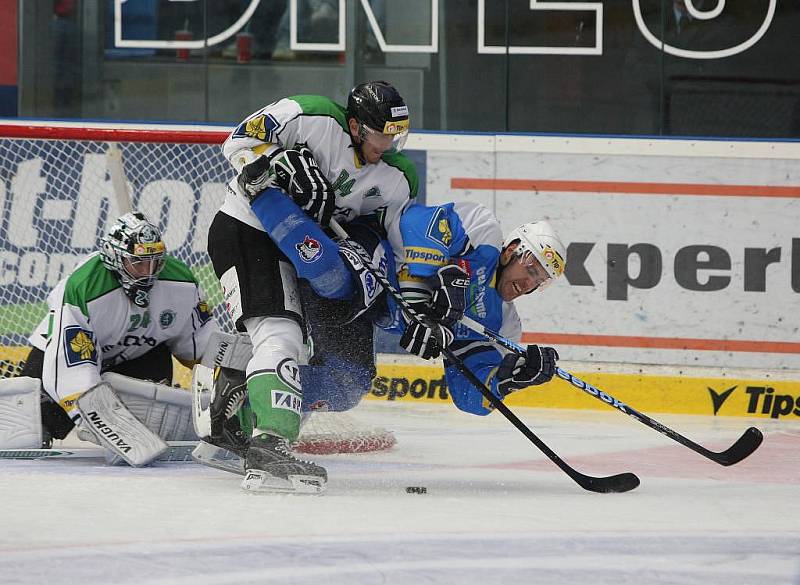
(457, 263)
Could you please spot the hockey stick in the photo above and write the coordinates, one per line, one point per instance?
(616, 483)
(742, 448)
(178, 451)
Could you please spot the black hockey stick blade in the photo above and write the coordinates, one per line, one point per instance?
(613, 484)
(742, 448)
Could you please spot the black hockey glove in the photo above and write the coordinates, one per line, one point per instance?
(450, 295)
(256, 177)
(297, 173)
(426, 339)
(520, 371)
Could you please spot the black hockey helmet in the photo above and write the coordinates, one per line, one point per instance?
(380, 107)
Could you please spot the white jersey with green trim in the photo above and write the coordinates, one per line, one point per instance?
(92, 325)
(384, 188)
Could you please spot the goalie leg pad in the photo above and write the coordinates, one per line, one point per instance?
(116, 428)
(164, 410)
(20, 413)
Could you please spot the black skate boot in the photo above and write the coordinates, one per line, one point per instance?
(226, 444)
(271, 467)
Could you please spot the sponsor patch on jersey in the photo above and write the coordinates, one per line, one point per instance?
(419, 255)
(167, 318)
(310, 250)
(202, 312)
(79, 346)
(439, 228)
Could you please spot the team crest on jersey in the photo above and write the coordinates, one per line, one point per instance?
(261, 127)
(439, 228)
(166, 318)
(372, 192)
(310, 250)
(79, 346)
(202, 312)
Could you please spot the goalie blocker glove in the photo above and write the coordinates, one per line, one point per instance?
(297, 173)
(425, 338)
(517, 371)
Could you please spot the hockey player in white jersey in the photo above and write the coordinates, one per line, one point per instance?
(126, 309)
(333, 161)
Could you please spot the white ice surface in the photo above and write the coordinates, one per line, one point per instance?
(496, 511)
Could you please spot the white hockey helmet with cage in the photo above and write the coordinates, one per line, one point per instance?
(134, 250)
(539, 240)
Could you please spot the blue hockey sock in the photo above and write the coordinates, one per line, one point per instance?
(312, 253)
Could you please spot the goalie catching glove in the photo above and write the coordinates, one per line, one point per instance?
(517, 371)
(296, 172)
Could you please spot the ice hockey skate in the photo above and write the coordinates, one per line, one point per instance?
(271, 468)
(218, 394)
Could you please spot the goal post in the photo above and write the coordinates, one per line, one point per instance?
(63, 184)
(62, 187)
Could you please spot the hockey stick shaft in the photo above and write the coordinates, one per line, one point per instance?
(617, 483)
(742, 448)
(178, 451)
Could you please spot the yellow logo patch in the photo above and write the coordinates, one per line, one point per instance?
(79, 346)
(256, 128)
(554, 260)
(397, 127)
(82, 345)
(444, 230)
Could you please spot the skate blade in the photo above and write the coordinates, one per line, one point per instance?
(256, 481)
(218, 458)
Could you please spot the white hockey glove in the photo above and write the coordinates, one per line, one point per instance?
(450, 295)
(518, 371)
(297, 173)
(426, 338)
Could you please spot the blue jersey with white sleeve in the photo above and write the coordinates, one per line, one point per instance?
(466, 234)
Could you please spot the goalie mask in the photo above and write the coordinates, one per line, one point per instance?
(381, 114)
(537, 242)
(134, 251)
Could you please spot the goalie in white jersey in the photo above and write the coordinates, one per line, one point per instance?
(333, 162)
(126, 309)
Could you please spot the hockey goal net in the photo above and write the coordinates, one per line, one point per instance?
(61, 189)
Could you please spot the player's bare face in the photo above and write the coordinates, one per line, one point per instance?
(373, 143)
(520, 276)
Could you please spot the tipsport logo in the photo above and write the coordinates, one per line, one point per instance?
(761, 400)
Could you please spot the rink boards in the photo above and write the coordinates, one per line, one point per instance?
(670, 390)
(667, 393)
